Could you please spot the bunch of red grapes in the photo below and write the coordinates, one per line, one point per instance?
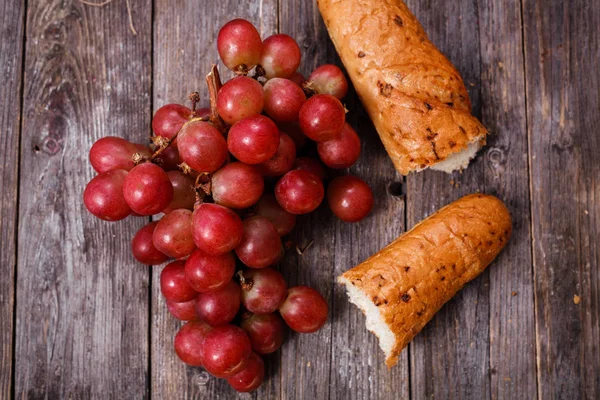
(207, 171)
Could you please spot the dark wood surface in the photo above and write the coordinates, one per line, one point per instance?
(463, 352)
(90, 321)
(563, 115)
(451, 356)
(12, 16)
(82, 300)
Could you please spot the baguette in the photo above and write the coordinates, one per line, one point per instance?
(415, 97)
(402, 287)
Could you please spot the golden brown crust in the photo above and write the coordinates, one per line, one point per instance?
(412, 278)
(414, 95)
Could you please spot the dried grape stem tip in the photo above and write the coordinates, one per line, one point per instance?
(194, 98)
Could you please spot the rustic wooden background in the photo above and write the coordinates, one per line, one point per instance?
(81, 319)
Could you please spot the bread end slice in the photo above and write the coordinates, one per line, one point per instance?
(374, 320)
(460, 160)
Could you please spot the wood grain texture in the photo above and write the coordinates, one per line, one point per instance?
(11, 62)
(450, 357)
(512, 317)
(184, 49)
(84, 315)
(82, 301)
(357, 369)
(562, 49)
(306, 358)
(343, 360)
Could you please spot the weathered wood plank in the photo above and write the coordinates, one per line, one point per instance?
(512, 315)
(450, 358)
(82, 301)
(305, 358)
(184, 49)
(497, 318)
(357, 369)
(562, 49)
(342, 361)
(11, 62)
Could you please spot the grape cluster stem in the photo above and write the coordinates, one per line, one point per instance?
(213, 80)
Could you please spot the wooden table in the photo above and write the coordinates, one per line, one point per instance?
(81, 319)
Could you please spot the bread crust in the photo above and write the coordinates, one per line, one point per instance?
(415, 97)
(412, 278)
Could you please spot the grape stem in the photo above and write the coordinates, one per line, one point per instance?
(185, 168)
(162, 143)
(213, 80)
(308, 88)
(194, 98)
(241, 69)
(202, 186)
(258, 72)
(246, 284)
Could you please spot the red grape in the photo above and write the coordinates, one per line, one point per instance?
(282, 161)
(341, 152)
(147, 189)
(304, 310)
(251, 377)
(239, 98)
(173, 234)
(263, 290)
(239, 44)
(170, 158)
(206, 273)
(143, 248)
(350, 198)
(329, 79)
(103, 196)
(169, 119)
(322, 117)
(292, 129)
(219, 306)
(261, 245)
(142, 148)
(280, 56)
(216, 229)
(310, 165)
(237, 185)
(225, 350)
(282, 220)
(297, 78)
(203, 112)
(266, 331)
(184, 195)
(253, 140)
(283, 99)
(202, 146)
(173, 285)
(112, 152)
(185, 311)
(299, 192)
(188, 342)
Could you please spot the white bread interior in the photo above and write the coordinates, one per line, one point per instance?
(460, 160)
(375, 322)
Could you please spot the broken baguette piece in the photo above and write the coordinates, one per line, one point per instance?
(400, 288)
(415, 97)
